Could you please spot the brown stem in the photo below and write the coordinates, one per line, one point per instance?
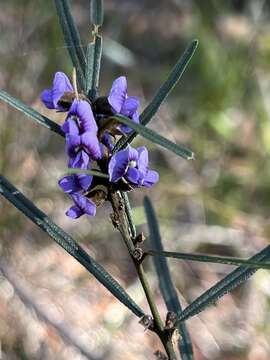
(120, 221)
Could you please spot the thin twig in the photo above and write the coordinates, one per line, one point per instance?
(121, 223)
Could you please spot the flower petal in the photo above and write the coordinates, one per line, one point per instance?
(142, 164)
(85, 204)
(46, 98)
(84, 180)
(107, 141)
(74, 212)
(151, 178)
(80, 161)
(61, 84)
(118, 165)
(90, 141)
(70, 126)
(136, 117)
(130, 105)
(69, 184)
(83, 111)
(132, 154)
(133, 175)
(72, 142)
(118, 93)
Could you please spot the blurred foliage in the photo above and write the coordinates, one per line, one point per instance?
(217, 203)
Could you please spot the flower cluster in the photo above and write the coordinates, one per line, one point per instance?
(87, 145)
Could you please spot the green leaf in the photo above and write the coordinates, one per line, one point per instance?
(224, 286)
(96, 12)
(24, 205)
(72, 39)
(210, 259)
(89, 172)
(94, 52)
(173, 78)
(155, 137)
(30, 112)
(165, 281)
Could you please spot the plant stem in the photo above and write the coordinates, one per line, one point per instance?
(121, 222)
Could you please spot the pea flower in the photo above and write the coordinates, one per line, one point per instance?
(123, 104)
(75, 183)
(51, 97)
(82, 205)
(81, 130)
(132, 165)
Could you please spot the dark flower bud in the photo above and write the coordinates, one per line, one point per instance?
(147, 322)
(160, 355)
(170, 320)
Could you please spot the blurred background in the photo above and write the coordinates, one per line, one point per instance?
(50, 307)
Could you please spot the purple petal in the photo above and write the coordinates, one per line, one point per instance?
(107, 141)
(84, 181)
(130, 105)
(118, 165)
(142, 163)
(118, 93)
(46, 98)
(72, 142)
(74, 212)
(83, 111)
(136, 117)
(132, 154)
(125, 130)
(70, 126)
(80, 161)
(69, 184)
(85, 204)
(90, 141)
(133, 175)
(61, 84)
(151, 178)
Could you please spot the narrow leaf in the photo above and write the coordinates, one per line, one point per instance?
(23, 204)
(72, 39)
(224, 286)
(226, 260)
(155, 137)
(89, 172)
(96, 12)
(165, 282)
(173, 78)
(30, 112)
(94, 52)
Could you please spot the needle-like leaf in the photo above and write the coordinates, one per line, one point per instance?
(72, 39)
(30, 112)
(224, 286)
(96, 12)
(88, 172)
(155, 137)
(165, 282)
(23, 204)
(173, 78)
(226, 260)
(94, 52)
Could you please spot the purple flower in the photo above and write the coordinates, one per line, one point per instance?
(123, 104)
(132, 165)
(81, 130)
(82, 205)
(77, 182)
(50, 97)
